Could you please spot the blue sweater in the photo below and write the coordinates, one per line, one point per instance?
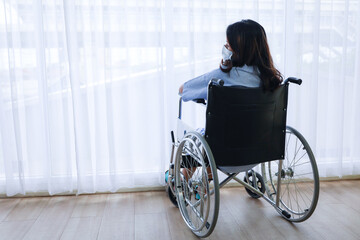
(247, 76)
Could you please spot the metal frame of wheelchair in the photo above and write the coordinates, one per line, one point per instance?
(193, 183)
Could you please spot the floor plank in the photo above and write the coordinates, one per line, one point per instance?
(89, 206)
(6, 206)
(227, 226)
(118, 221)
(327, 225)
(293, 231)
(342, 192)
(53, 219)
(149, 202)
(28, 209)
(151, 226)
(177, 227)
(15, 229)
(82, 228)
(249, 215)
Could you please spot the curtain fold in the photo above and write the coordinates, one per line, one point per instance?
(88, 89)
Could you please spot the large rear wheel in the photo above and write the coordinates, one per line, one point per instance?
(196, 184)
(298, 176)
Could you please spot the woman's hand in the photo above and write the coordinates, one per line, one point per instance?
(181, 89)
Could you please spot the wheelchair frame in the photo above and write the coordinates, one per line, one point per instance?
(257, 185)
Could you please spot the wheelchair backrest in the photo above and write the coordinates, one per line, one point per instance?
(245, 125)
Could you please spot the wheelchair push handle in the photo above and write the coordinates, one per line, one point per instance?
(298, 81)
(217, 81)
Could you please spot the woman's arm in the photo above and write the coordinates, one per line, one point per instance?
(197, 88)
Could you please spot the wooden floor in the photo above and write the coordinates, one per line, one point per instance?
(150, 215)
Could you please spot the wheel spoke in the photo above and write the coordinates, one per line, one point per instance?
(302, 163)
(300, 158)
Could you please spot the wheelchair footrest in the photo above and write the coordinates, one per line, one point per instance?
(286, 214)
(207, 225)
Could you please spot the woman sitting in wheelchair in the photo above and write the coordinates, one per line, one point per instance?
(245, 127)
(246, 62)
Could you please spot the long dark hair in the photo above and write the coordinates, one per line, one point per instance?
(248, 41)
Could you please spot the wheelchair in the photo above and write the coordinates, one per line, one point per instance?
(245, 130)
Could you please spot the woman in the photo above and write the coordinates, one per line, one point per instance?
(246, 62)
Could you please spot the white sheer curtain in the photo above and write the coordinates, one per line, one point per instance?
(88, 89)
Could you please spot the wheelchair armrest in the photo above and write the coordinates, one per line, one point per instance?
(202, 101)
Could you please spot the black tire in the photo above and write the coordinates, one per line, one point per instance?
(259, 181)
(171, 196)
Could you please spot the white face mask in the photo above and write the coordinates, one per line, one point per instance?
(226, 53)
